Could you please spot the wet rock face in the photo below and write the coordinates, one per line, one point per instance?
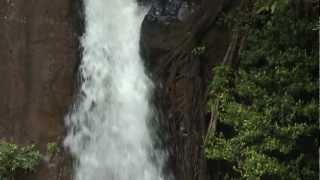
(170, 32)
(38, 58)
(170, 11)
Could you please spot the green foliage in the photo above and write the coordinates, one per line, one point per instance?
(270, 104)
(52, 148)
(14, 158)
(270, 6)
(197, 51)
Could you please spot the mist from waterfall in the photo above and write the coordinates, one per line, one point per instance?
(108, 132)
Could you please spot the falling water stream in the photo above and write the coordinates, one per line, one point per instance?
(108, 126)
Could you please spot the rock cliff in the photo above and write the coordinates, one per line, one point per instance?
(38, 55)
(181, 43)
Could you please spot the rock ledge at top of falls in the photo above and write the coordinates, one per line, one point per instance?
(171, 11)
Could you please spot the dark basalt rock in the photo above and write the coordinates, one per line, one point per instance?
(170, 11)
(181, 77)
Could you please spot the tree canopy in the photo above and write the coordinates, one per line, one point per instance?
(267, 108)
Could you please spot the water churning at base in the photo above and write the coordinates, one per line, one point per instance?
(108, 133)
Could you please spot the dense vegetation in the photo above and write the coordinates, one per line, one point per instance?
(14, 158)
(267, 108)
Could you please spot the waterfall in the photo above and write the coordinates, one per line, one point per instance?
(108, 132)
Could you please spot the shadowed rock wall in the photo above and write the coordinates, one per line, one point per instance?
(171, 32)
(38, 57)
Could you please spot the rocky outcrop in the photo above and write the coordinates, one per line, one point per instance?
(38, 55)
(181, 43)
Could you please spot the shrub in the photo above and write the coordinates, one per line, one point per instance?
(14, 158)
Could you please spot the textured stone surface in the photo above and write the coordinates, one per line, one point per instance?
(38, 56)
(182, 77)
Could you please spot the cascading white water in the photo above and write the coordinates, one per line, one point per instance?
(108, 132)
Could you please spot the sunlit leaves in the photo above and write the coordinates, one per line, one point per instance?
(14, 157)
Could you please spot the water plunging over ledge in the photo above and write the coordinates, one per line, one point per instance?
(108, 133)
